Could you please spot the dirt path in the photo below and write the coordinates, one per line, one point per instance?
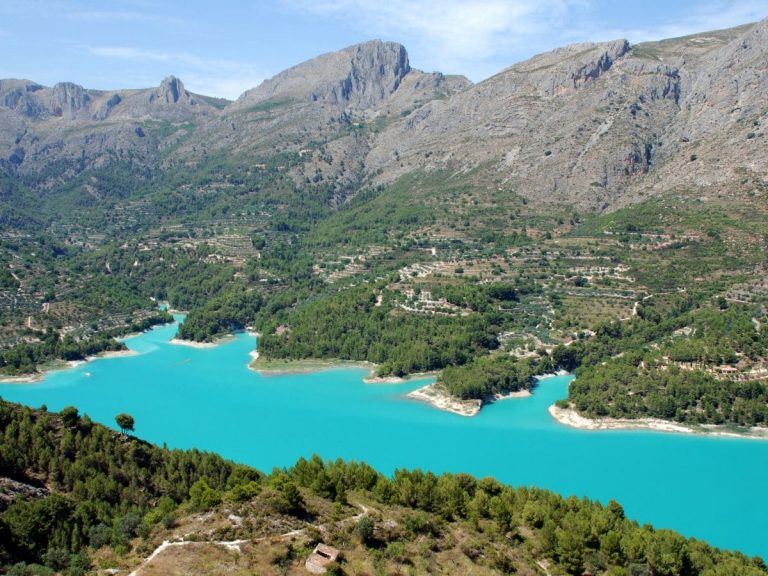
(544, 566)
(234, 545)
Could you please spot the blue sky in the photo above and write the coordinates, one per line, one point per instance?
(223, 48)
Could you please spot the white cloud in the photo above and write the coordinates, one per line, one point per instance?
(131, 53)
(478, 37)
(706, 16)
(229, 87)
(124, 16)
(452, 32)
(210, 76)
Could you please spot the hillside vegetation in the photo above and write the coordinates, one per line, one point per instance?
(600, 207)
(80, 498)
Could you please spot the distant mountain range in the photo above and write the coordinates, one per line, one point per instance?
(594, 126)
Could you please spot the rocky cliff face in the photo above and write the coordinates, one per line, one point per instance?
(599, 126)
(319, 100)
(19, 96)
(68, 123)
(69, 100)
(595, 126)
(324, 110)
(359, 77)
(567, 69)
(75, 103)
(560, 126)
(720, 127)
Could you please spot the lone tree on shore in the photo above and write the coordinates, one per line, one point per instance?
(125, 422)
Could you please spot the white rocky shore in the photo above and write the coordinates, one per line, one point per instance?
(193, 344)
(439, 398)
(570, 417)
(64, 365)
(218, 342)
(373, 379)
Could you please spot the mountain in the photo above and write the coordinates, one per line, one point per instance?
(324, 110)
(67, 129)
(322, 100)
(598, 126)
(358, 77)
(592, 126)
(353, 169)
(72, 102)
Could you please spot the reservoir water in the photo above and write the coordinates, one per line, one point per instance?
(706, 487)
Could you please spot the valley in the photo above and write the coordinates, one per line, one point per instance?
(598, 210)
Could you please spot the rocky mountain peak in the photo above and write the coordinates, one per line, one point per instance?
(592, 125)
(18, 95)
(64, 100)
(376, 70)
(170, 91)
(68, 100)
(169, 101)
(360, 77)
(608, 54)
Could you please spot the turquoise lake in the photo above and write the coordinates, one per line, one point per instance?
(709, 488)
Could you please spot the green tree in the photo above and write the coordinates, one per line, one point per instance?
(70, 417)
(569, 551)
(203, 496)
(364, 529)
(125, 422)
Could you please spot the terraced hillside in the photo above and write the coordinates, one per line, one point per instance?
(593, 190)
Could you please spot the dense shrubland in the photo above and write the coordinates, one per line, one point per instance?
(351, 326)
(108, 489)
(671, 366)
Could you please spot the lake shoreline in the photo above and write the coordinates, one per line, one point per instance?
(200, 345)
(373, 379)
(213, 344)
(58, 365)
(442, 400)
(277, 367)
(439, 398)
(335, 413)
(569, 417)
(280, 367)
(111, 354)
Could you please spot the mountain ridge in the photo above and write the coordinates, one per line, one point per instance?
(594, 126)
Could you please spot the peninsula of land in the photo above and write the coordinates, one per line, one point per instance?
(438, 397)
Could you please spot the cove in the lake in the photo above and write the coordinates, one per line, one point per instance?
(710, 488)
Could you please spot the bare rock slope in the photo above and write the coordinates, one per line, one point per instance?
(77, 129)
(600, 125)
(595, 126)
